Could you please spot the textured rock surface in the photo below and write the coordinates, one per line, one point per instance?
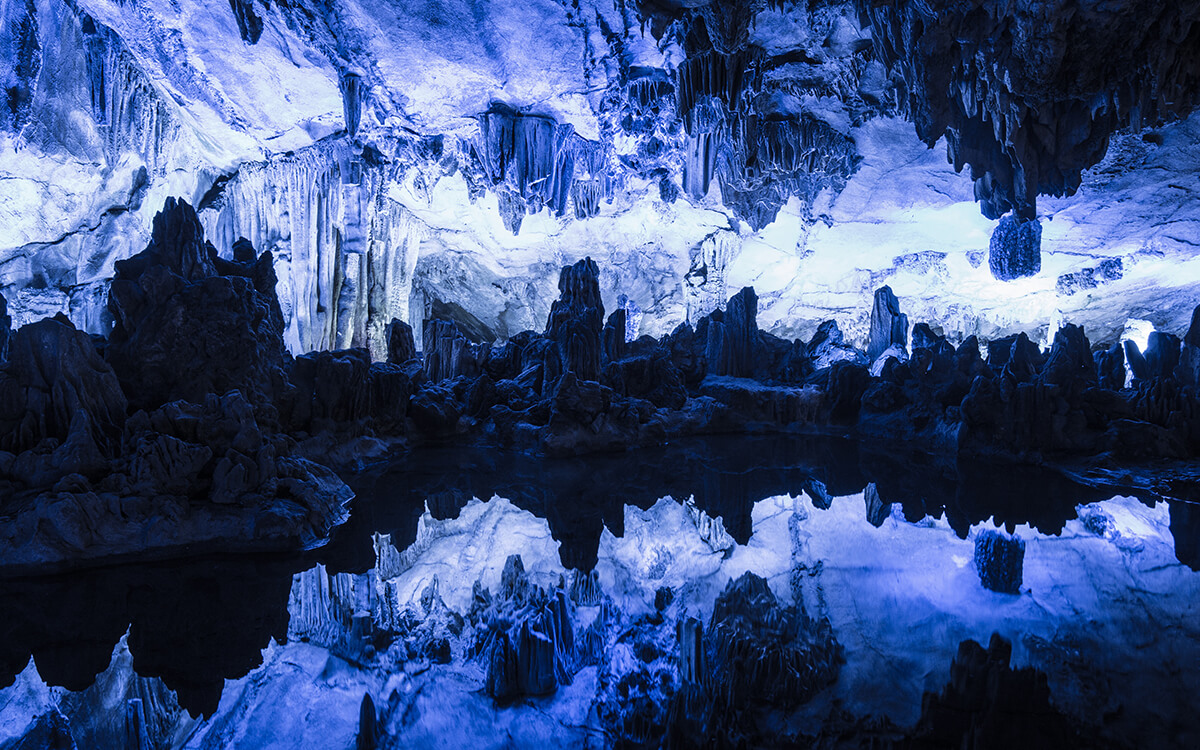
(790, 111)
(1015, 250)
(197, 356)
(55, 385)
(576, 321)
(999, 561)
(889, 326)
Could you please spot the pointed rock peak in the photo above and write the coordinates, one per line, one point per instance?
(580, 280)
(889, 326)
(177, 242)
(1070, 359)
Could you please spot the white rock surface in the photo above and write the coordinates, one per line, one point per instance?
(189, 100)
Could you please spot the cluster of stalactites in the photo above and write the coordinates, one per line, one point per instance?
(347, 253)
(124, 102)
(759, 159)
(1028, 96)
(540, 163)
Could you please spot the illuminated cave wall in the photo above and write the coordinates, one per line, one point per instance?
(397, 169)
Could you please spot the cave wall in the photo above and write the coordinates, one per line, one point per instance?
(393, 168)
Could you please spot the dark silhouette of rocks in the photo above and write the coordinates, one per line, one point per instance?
(183, 329)
(198, 344)
(400, 345)
(988, 704)
(172, 440)
(999, 560)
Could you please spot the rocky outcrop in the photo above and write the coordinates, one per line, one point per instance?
(889, 326)
(55, 387)
(577, 320)
(448, 353)
(401, 347)
(1188, 371)
(184, 476)
(188, 324)
(755, 655)
(529, 642)
(342, 391)
(197, 356)
(730, 337)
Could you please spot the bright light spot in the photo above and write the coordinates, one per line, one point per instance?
(1138, 331)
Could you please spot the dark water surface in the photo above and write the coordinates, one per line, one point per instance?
(197, 622)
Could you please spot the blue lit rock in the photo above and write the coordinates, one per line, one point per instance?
(529, 641)
(889, 326)
(1015, 250)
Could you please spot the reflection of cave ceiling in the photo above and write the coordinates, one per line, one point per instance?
(403, 156)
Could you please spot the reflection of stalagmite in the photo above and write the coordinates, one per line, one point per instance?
(712, 530)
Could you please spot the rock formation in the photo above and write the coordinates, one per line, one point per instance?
(190, 324)
(197, 356)
(577, 320)
(999, 560)
(889, 326)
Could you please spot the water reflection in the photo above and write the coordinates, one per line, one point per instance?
(197, 623)
(580, 496)
(193, 624)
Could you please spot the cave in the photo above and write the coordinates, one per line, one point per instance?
(599, 373)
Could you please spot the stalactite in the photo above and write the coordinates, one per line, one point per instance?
(764, 161)
(345, 253)
(20, 88)
(250, 24)
(95, 41)
(137, 119)
(352, 90)
(725, 77)
(644, 95)
(395, 245)
(700, 164)
(534, 163)
(1028, 96)
(705, 287)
